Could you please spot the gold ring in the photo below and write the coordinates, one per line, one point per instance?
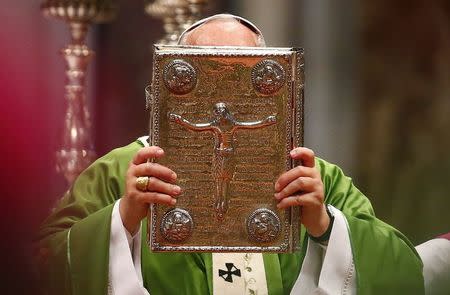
(142, 183)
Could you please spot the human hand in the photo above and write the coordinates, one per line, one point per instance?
(303, 186)
(160, 188)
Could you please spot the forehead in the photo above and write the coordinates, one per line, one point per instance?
(222, 32)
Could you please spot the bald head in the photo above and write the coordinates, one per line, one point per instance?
(221, 32)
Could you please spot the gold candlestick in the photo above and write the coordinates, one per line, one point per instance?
(196, 10)
(77, 150)
(165, 10)
(177, 15)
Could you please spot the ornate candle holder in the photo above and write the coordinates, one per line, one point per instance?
(196, 9)
(177, 15)
(182, 15)
(77, 150)
(165, 10)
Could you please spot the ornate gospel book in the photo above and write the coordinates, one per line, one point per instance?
(226, 118)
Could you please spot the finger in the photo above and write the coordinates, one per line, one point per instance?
(155, 170)
(296, 172)
(309, 199)
(158, 186)
(305, 155)
(146, 153)
(158, 198)
(301, 184)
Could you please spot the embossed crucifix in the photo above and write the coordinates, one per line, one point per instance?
(223, 125)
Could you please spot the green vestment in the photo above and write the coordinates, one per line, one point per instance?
(75, 241)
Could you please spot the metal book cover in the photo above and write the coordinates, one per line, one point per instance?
(227, 118)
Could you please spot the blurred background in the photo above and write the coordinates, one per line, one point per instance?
(377, 103)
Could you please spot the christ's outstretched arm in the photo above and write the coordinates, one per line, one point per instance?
(270, 120)
(189, 125)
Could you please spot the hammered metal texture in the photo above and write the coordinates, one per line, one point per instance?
(176, 225)
(226, 172)
(180, 77)
(263, 225)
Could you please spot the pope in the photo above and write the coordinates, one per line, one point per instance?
(95, 243)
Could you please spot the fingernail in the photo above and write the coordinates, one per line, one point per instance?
(173, 176)
(294, 152)
(173, 202)
(159, 152)
(277, 186)
(176, 189)
(277, 196)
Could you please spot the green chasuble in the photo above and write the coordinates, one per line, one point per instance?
(74, 242)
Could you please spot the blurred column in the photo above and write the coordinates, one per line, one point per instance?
(31, 88)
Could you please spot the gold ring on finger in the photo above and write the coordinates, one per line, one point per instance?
(142, 183)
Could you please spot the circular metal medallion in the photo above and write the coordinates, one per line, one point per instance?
(263, 225)
(176, 225)
(268, 76)
(179, 77)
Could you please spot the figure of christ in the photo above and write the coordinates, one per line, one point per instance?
(223, 125)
